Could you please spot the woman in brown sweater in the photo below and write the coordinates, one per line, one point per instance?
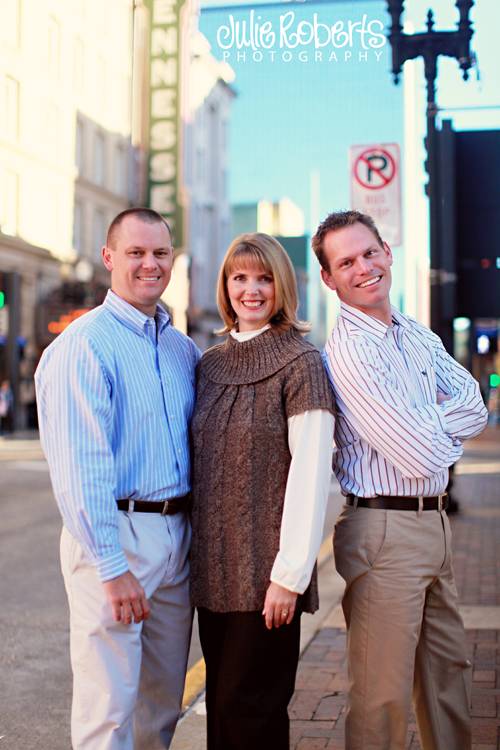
(262, 438)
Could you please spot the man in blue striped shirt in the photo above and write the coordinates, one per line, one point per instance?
(115, 396)
(404, 406)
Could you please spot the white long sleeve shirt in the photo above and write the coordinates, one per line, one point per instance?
(391, 435)
(310, 440)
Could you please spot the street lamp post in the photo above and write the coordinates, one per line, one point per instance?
(429, 45)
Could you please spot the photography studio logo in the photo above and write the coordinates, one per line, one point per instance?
(256, 39)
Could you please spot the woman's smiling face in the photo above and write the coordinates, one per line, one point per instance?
(252, 296)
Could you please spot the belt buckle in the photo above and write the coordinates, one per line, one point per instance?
(164, 511)
(441, 502)
(131, 504)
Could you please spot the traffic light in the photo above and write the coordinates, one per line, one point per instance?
(4, 288)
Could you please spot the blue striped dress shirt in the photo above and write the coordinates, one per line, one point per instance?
(115, 395)
(391, 436)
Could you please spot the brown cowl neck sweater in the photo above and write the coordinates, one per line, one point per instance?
(246, 392)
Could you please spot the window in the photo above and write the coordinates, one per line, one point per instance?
(200, 167)
(10, 96)
(9, 202)
(121, 170)
(99, 232)
(51, 126)
(78, 225)
(213, 148)
(99, 159)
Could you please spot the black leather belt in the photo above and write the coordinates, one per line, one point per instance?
(399, 502)
(165, 507)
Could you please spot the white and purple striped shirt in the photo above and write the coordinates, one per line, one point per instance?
(391, 436)
(115, 394)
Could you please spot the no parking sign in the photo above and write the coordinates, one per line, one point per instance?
(376, 187)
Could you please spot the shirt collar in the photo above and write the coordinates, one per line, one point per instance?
(399, 318)
(369, 325)
(131, 317)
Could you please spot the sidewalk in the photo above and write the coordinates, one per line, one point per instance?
(317, 709)
(318, 706)
(23, 445)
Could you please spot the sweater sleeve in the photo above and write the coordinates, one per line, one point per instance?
(306, 387)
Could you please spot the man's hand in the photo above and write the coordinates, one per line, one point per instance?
(127, 598)
(442, 397)
(279, 606)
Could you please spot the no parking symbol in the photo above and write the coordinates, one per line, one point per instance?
(375, 186)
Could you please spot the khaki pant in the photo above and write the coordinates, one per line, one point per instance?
(128, 680)
(405, 635)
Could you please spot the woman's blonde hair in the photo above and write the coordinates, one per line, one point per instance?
(263, 251)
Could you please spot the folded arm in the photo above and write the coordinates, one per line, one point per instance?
(412, 438)
(463, 414)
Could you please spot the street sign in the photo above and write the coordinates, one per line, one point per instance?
(376, 187)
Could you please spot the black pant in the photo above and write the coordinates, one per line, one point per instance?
(250, 679)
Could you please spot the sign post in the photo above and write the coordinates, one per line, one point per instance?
(376, 187)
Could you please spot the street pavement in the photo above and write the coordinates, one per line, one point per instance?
(35, 684)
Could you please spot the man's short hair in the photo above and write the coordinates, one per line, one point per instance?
(339, 220)
(148, 215)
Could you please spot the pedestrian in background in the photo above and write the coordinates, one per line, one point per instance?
(115, 395)
(404, 407)
(6, 402)
(262, 436)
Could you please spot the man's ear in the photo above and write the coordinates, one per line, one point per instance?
(107, 257)
(388, 252)
(328, 280)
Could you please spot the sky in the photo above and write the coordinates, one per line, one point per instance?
(293, 117)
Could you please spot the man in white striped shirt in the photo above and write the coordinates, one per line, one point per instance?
(115, 394)
(404, 408)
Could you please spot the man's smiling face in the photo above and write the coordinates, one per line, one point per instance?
(140, 262)
(359, 269)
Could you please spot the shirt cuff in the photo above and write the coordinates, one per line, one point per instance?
(112, 566)
(283, 576)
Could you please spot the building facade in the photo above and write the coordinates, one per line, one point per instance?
(206, 160)
(66, 155)
(104, 106)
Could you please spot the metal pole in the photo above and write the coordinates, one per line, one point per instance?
(429, 45)
(432, 190)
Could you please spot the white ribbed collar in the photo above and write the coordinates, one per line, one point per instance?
(248, 335)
